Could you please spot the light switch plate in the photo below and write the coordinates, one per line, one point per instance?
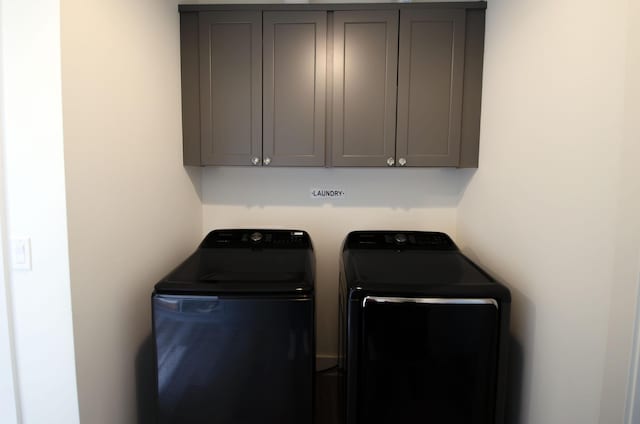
(21, 254)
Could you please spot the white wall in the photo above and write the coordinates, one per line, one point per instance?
(35, 202)
(134, 211)
(547, 211)
(624, 294)
(421, 199)
(8, 399)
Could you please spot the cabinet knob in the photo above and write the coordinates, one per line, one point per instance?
(402, 161)
(267, 160)
(391, 162)
(255, 160)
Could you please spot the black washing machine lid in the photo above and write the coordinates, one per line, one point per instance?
(413, 263)
(244, 261)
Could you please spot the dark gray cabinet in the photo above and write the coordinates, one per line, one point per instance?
(230, 87)
(260, 87)
(294, 88)
(430, 87)
(424, 127)
(365, 56)
(332, 84)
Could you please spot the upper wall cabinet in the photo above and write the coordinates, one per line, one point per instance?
(332, 85)
(365, 46)
(230, 87)
(430, 87)
(260, 88)
(294, 88)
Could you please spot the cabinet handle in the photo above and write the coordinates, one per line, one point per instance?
(267, 160)
(402, 161)
(255, 160)
(390, 162)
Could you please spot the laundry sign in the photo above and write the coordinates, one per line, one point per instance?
(327, 193)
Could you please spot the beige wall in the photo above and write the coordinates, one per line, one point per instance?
(133, 210)
(548, 210)
(624, 292)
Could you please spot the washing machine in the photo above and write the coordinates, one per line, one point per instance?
(423, 332)
(234, 331)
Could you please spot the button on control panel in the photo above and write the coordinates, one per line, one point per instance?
(400, 238)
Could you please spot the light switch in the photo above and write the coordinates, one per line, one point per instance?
(21, 254)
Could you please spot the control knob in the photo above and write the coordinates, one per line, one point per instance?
(400, 238)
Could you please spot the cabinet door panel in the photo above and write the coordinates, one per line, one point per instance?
(231, 87)
(430, 83)
(364, 87)
(294, 87)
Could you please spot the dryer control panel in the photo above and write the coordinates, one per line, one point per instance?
(418, 240)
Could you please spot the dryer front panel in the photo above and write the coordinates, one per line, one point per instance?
(430, 360)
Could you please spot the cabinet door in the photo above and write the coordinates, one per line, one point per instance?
(231, 87)
(294, 67)
(364, 87)
(430, 77)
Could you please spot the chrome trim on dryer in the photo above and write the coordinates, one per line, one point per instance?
(430, 300)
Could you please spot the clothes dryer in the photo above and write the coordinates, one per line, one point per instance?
(423, 332)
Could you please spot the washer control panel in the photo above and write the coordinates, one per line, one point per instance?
(254, 238)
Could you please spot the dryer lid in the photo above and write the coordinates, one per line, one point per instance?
(413, 263)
